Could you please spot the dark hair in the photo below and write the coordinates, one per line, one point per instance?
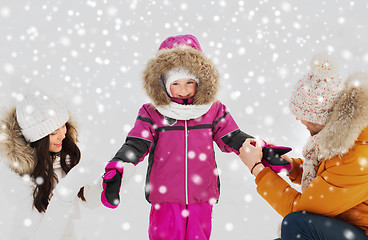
(44, 166)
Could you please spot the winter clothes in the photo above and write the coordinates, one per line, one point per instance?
(187, 222)
(17, 162)
(339, 189)
(315, 226)
(182, 167)
(181, 40)
(181, 56)
(39, 115)
(178, 111)
(269, 151)
(310, 99)
(178, 135)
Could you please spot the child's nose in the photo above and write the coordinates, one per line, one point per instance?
(183, 90)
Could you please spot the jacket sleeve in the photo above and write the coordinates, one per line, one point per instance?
(330, 193)
(56, 219)
(138, 142)
(15, 187)
(296, 172)
(227, 135)
(92, 193)
(16, 203)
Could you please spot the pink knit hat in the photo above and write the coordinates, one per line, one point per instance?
(181, 40)
(314, 96)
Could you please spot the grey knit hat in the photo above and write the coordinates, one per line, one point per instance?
(39, 115)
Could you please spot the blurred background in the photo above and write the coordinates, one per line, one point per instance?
(91, 53)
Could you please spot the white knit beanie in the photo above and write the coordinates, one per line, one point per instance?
(314, 96)
(176, 74)
(39, 115)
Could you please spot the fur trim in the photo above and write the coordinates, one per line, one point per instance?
(183, 57)
(348, 118)
(15, 151)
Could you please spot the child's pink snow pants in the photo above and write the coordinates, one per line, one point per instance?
(173, 221)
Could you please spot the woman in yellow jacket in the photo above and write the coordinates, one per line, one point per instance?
(333, 203)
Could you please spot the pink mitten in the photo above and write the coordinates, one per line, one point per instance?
(271, 157)
(111, 184)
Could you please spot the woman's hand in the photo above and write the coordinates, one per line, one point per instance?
(252, 156)
(287, 158)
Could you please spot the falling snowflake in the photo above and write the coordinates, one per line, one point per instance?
(235, 95)
(27, 222)
(229, 227)
(191, 154)
(39, 180)
(197, 179)
(145, 134)
(202, 157)
(348, 234)
(9, 68)
(162, 189)
(138, 178)
(185, 213)
(248, 198)
(125, 226)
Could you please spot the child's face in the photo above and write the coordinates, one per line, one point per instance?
(56, 139)
(183, 88)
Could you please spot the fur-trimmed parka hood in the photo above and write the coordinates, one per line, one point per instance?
(349, 118)
(15, 151)
(181, 57)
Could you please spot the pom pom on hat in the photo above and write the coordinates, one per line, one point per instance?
(176, 74)
(39, 115)
(314, 96)
(324, 66)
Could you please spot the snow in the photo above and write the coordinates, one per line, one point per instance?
(91, 54)
(248, 198)
(162, 189)
(125, 226)
(202, 157)
(27, 222)
(39, 180)
(185, 213)
(348, 234)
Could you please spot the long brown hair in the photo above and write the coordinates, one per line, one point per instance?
(44, 170)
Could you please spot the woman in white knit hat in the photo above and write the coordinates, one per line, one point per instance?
(333, 203)
(38, 144)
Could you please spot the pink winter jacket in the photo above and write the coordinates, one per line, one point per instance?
(182, 167)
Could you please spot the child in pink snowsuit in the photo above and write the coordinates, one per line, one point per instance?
(177, 130)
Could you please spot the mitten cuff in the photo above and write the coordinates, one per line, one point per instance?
(118, 165)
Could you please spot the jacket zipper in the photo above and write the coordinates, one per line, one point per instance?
(186, 162)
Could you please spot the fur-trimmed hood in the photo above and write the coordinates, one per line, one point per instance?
(348, 119)
(184, 57)
(15, 151)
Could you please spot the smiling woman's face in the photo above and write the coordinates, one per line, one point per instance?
(56, 139)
